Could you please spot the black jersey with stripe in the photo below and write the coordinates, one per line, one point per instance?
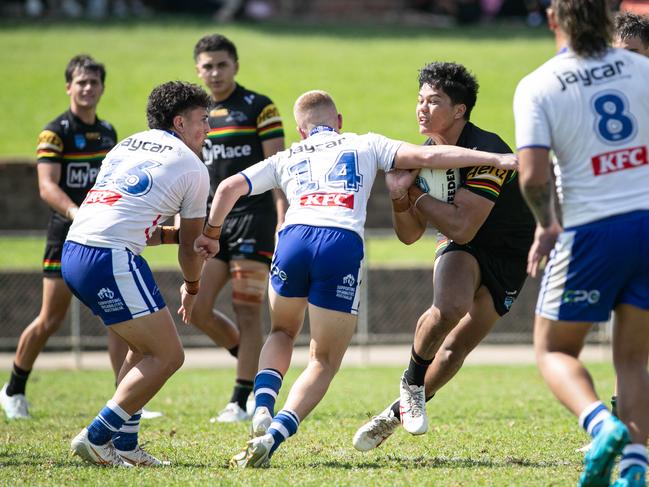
(509, 228)
(79, 148)
(238, 126)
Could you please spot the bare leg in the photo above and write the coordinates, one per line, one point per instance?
(117, 350)
(155, 340)
(557, 346)
(287, 318)
(331, 332)
(213, 323)
(471, 330)
(456, 279)
(55, 304)
(630, 351)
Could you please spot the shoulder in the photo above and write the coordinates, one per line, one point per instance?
(106, 125)
(60, 125)
(481, 139)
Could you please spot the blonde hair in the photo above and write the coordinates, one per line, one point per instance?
(313, 108)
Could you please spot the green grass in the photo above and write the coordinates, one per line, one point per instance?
(26, 253)
(370, 70)
(492, 425)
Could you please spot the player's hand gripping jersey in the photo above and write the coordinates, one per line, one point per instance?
(327, 177)
(589, 112)
(145, 179)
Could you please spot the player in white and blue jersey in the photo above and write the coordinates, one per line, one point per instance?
(327, 178)
(145, 179)
(590, 105)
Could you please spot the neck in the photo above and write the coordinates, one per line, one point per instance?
(560, 40)
(87, 115)
(218, 97)
(452, 135)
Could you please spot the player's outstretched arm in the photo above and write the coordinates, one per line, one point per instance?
(411, 156)
(227, 194)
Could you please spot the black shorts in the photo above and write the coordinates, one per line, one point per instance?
(57, 230)
(502, 275)
(248, 236)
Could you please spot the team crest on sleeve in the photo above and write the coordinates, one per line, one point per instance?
(48, 140)
(80, 141)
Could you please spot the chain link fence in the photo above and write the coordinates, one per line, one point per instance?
(392, 301)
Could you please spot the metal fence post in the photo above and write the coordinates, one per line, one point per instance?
(75, 331)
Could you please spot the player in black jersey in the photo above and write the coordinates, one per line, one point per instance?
(245, 128)
(481, 259)
(70, 151)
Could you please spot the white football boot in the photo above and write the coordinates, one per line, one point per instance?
(16, 406)
(141, 458)
(232, 413)
(256, 454)
(413, 408)
(376, 430)
(105, 455)
(260, 422)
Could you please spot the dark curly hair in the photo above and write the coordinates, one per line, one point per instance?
(84, 62)
(628, 25)
(171, 99)
(454, 80)
(587, 23)
(215, 42)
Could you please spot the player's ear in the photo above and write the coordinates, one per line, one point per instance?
(67, 88)
(179, 123)
(301, 132)
(460, 110)
(340, 121)
(552, 19)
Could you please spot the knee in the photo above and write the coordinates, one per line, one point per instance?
(173, 361)
(247, 313)
(285, 333)
(447, 316)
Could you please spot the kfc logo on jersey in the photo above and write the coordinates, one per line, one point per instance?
(343, 200)
(619, 160)
(102, 196)
(81, 175)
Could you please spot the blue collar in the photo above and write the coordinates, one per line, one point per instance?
(171, 132)
(321, 128)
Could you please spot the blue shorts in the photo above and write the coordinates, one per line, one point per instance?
(115, 284)
(596, 266)
(320, 263)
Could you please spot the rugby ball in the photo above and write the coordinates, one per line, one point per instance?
(441, 184)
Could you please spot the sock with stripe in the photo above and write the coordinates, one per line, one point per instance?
(417, 368)
(17, 381)
(126, 438)
(633, 454)
(241, 391)
(592, 418)
(108, 421)
(267, 385)
(284, 425)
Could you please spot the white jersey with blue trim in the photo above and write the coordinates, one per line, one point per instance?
(326, 177)
(594, 114)
(146, 178)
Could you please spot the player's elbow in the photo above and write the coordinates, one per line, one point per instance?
(408, 238)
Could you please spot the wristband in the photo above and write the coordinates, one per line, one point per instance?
(169, 234)
(192, 287)
(212, 231)
(418, 198)
(401, 205)
(71, 212)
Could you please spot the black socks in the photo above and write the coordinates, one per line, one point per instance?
(17, 381)
(241, 391)
(417, 368)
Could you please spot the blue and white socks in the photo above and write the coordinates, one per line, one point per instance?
(108, 422)
(267, 385)
(634, 454)
(592, 418)
(126, 438)
(284, 426)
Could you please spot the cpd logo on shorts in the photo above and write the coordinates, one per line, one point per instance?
(580, 296)
(349, 280)
(105, 293)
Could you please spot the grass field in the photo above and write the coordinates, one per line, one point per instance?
(370, 70)
(26, 253)
(492, 425)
